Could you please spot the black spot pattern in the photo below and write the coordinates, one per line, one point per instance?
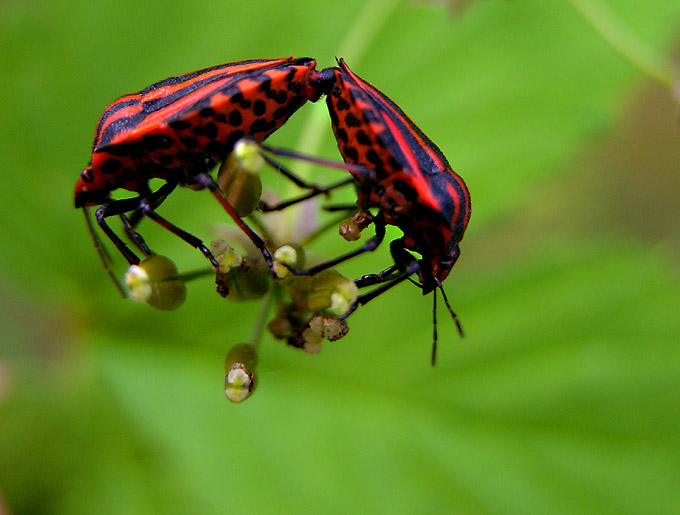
(407, 191)
(262, 125)
(351, 153)
(111, 166)
(189, 142)
(182, 142)
(259, 107)
(180, 125)
(235, 118)
(281, 112)
(352, 121)
(373, 157)
(233, 138)
(124, 176)
(117, 150)
(153, 142)
(342, 104)
(214, 148)
(394, 163)
(363, 138)
(341, 134)
(211, 130)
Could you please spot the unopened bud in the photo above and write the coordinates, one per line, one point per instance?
(240, 379)
(243, 283)
(334, 329)
(156, 281)
(349, 230)
(247, 153)
(280, 328)
(239, 179)
(225, 255)
(287, 256)
(343, 297)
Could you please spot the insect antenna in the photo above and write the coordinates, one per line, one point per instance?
(448, 306)
(103, 254)
(434, 328)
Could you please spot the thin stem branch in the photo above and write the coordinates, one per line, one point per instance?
(260, 323)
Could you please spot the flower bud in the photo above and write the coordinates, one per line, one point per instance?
(343, 297)
(239, 179)
(240, 379)
(243, 283)
(225, 255)
(156, 281)
(312, 336)
(334, 329)
(351, 229)
(288, 256)
(280, 328)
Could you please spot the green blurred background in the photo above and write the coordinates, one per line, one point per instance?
(564, 395)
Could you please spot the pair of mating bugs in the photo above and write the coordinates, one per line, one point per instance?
(178, 128)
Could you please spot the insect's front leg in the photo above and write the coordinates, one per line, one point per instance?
(115, 208)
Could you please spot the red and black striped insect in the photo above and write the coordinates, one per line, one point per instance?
(406, 177)
(177, 129)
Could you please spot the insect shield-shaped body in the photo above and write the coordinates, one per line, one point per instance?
(412, 183)
(176, 129)
(408, 179)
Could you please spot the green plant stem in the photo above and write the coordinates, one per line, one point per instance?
(261, 321)
(196, 274)
(625, 42)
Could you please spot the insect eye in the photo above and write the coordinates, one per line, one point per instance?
(86, 175)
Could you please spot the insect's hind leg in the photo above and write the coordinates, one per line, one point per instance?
(205, 180)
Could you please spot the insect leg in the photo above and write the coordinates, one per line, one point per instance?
(208, 182)
(379, 278)
(266, 208)
(355, 169)
(135, 236)
(103, 254)
(192, 240)
(340, 207)
(115, 208)
(155, 199)
(369, 246)
(387, 282)
(130, 223)
(300, 183)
